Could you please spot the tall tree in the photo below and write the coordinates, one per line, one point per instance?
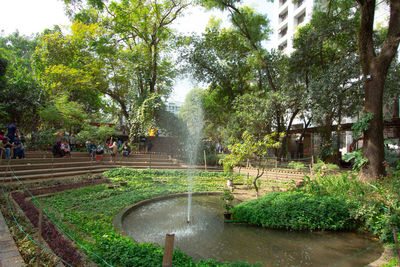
(375, 62)
(254, 29)
(21, 95)
(134, 50)
(331, 76)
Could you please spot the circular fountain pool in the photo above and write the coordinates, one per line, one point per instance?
(207, 236)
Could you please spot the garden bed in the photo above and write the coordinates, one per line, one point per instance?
(86, 214)
(61, 246)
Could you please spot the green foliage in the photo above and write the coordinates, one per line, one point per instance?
(321, 166)
(332, 75)
(361, 125)
(297, 165)
(145, 117)
(228, 169)
(63, 113)
(21, 94)
(94, 133)
(43, 138)
(250, 148)
(296, 211)
(375, 205)
(358, 128)
(227, 196)
(357, 156)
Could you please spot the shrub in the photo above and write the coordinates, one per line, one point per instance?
(296, 165)
(296, 211)
(376, 204)
(325, 167)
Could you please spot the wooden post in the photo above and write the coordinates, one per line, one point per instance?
(312, 160)
(168, 250)
(39, 235)
(205, 160)
(396, 242)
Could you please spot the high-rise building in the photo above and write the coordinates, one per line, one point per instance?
(290, 16)
(174, 106)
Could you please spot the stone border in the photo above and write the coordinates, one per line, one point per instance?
(386, 256)
(117, 220)
(9, 254)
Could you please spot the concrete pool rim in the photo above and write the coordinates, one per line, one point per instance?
(119, 218)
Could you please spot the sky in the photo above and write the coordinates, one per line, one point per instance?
(33, 16)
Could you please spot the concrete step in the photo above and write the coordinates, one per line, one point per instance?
(31, 166)
(49, 154)
(49, 170)
(50, 175)
(164, 167)
(44, 160)
(146, 164)
(139, 158)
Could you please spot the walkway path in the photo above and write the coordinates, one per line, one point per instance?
(9, 254)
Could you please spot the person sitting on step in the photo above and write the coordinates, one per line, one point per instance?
(57, 149)
(126, 149)
(65, 149)
(92, 149)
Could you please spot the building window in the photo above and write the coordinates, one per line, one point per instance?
(283, 16)
(299, 3)
(282, 46)
(282, 2)
(300, 18)
(283, 32)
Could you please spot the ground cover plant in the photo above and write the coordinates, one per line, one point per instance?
(62, 247)
(330, 202)
(87, 213)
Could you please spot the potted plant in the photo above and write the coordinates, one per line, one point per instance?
(228, 197)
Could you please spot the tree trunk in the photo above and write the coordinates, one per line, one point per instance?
(375, 70)
(286, 139)
(373, 148)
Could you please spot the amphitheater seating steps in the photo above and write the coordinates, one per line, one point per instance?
(42, 166)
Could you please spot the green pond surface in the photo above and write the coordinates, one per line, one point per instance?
(207, 236)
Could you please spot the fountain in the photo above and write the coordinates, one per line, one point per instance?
(195, 126)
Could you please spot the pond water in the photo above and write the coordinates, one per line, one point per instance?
(209, 237)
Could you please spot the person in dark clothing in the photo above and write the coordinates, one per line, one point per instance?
(12, 133)
(92, 149)
(18, 150)
(149, 146)
(57, 149)
(7, 148)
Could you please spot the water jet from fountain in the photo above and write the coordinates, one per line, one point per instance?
(195, 127)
